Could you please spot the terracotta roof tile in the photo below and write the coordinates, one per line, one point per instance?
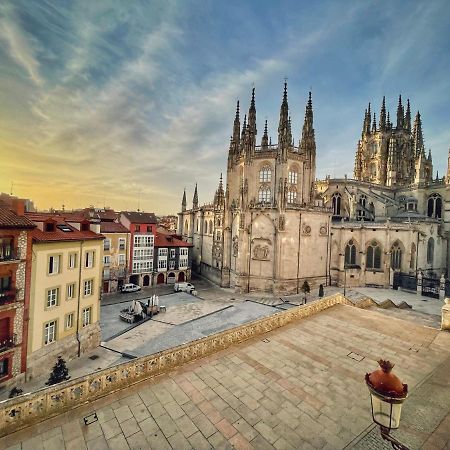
(60, 235)
(167, 240)
(113, 227)
(9, 219)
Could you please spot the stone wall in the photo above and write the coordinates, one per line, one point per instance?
(26, 410)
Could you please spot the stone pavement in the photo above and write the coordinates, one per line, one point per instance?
(298, 387)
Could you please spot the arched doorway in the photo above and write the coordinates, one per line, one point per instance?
(171, 278)
(160, 279)
(146, 281)
(134, 279)
(181, 276)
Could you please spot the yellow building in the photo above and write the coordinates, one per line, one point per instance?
(66, 276)
(115, 255)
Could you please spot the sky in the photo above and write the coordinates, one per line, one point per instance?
(126, 103)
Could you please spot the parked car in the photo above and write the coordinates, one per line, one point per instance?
(130, 287)
(183, 287)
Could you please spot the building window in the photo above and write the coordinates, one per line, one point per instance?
(183, 251)
(362, 209)
(162, 252)
(210, 227)
(137, 228)
(265, 174)
(107, 260)
(89, 260)
(87, 288)
(172, 265)
(183, 263)
(435, 206)
(53, 264)
(350, 253)
(336, 202)
(86, 316)
(72, 260)
(373, 260)
(122, 242)
(430, 251)
(52, 297)
(396, 256)
(106, 273)
(292, 177)
(50, 332)
(70, 291)
(412, 261)
(4, 365)
(292, 196)
(107, 244)
(122, 259)
(162, 263)
(149, 228)
(68, 323)
(264, 195)
(172, 253)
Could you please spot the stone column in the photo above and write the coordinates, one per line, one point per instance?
(442, 287)
(445, 324)
(419, 283)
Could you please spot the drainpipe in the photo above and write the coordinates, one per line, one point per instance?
(79, 299)
(298, 251)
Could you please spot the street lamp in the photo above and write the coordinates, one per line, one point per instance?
(387, 393)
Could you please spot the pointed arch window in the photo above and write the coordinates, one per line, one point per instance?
(292, 176)
(434, 206)
(292, 196)
(430, 251)
(265, 174)
(264, 195)
(373, 257)
(396, 256)
(210, 227)
(205, 230)
(362, 209)
(186, 226)
(336, 202)
(412, 261)
(350, 253)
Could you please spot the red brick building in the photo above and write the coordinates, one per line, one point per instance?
(15, 277)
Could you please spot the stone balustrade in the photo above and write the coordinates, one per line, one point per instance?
(28, 409)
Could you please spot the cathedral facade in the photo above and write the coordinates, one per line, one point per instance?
(272, 226)
(265, 230)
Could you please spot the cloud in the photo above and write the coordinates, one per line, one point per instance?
(20, 44)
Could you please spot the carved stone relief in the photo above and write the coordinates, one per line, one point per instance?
(306, 229)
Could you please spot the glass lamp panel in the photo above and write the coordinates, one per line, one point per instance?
(386, 414)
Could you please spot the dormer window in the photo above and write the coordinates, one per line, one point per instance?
(84, 226)
(49, 226)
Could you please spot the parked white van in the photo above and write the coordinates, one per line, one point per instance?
(183, 287)
(130, 287)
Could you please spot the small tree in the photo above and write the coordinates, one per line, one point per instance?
(59, 373)
(305, 288)
(321, 290)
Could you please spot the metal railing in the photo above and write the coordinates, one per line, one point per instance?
(8, 253)
(8, 343)
(7, 295)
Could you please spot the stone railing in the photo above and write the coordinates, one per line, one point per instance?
(28, 409)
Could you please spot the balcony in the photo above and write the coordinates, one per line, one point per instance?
(7, 296)
(8, 253)
(8, 343)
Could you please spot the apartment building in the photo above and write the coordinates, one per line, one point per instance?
(67, 265)
(172, 260)
(142, 227)
(15, 271)
(115, 255)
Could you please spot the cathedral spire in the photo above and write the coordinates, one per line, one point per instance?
(400, 113)
(368, 119)
(183, 202)
(251, 126)
(388, 122)
(284, 134)
(308, 142)
(195, 198)
(374, 124)
(219, 197)
(407, 120)
(265, 138)
(235, 139)
(382, 125)
(418, 144)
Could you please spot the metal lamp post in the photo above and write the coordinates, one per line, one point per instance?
(387, 393)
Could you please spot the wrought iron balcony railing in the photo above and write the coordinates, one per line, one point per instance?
(8, 343)
(8, 253)
(7, 296)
